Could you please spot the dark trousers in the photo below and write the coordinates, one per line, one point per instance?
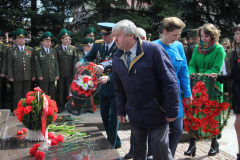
(176, 129)
(63, 85)
(20, 89)
(160, 142)
(11, 95)
(1, 93)
(48, 88)
(108, 112)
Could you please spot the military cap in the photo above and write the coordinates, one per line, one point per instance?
(105, 28)
(193, 33)
(89, 31)
(224, 40)
(183, 40)
(11, 34)
(70, 34)
(20, 33)
(46, 36)
(63, 33)
(87, 42)
(1, 34)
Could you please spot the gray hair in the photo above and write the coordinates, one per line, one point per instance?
(141, 32)
(127, 26)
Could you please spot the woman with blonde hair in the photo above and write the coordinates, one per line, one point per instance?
(172, 28)
(207, 58)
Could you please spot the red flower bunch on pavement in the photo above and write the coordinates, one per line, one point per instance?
(200, 114)
(34, 149)
(39, 155)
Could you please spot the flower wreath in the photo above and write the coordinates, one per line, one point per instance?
(209, 111)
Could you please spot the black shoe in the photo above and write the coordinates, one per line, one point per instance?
(192, 148)
(119, 146)
(129, 155)
(238, 156)
(214, 148)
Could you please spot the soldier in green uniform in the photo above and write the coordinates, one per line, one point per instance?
(227, 64)
(46, 64)
(103, 51)
(70, 37)
(3, 61)
(192, 42)
(89, 33)
(21, 69)
(66, 59)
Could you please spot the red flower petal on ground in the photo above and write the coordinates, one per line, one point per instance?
(215, 132)
(60, 138)
(30, 93)
(213, 123)
(30, 99)
(224, 106)
(27, 110)
(204, 96)
(50, 111)
(214, 104)
(24, 130)
(199, 103)
(19, 132)
(35, 146)
(206, 130)
(196, 89)
(54, 142)
(55, 118)
(39, 155)
(194, 127)
(207, 110)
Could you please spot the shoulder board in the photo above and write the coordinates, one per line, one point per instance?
(99, 41)
(29, 47)
(1, 42)
(37, 48)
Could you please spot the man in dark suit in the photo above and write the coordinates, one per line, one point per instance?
(103, 51)
(46, 63)
(146, 89)
(21, 69)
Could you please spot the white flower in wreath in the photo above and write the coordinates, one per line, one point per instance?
(84, 81)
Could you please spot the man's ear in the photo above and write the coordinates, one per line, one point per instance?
(144, 38)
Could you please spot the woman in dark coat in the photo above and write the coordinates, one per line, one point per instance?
(235, 76)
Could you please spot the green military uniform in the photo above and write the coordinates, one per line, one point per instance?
(191, 46)
(21, 68)
(3, 61)
(66, 62)
(46, 64)
(106, 94)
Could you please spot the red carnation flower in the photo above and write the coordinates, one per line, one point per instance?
(196, 89)
(24, 130)
(216, 112)
(199, 103)
(51, 134)
(60, 138)
(55, 109)
(224, 106)
(207, 103)
(20, 117)
(27, 110)
(194, 127)
(207, 110)
(50, 111)
(74, 86)
(30, 99)
(30, 93)
(19, 132)
(213, 123)
(39, 155)
(19, 104)
(35, 146)
(54, 142)
(204, 96)
(206, 130)
(214, 104)
(32, 152)
(52, 103)
(55, 118)
(215, 132)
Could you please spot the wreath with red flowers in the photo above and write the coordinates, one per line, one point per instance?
(209, 111)
(30, 110)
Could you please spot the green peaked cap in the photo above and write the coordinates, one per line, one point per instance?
(20, 33)
(224, 40)
(1, 34)
(11, 34)
(183, 40)
(87, 42)
(46, 36)
(70, 34)
(193, 33)
(89, 31)
(63, 33)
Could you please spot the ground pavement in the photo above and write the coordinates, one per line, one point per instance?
(228, 142)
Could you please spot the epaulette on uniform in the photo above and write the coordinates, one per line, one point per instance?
(99, 41)
(37, 48)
